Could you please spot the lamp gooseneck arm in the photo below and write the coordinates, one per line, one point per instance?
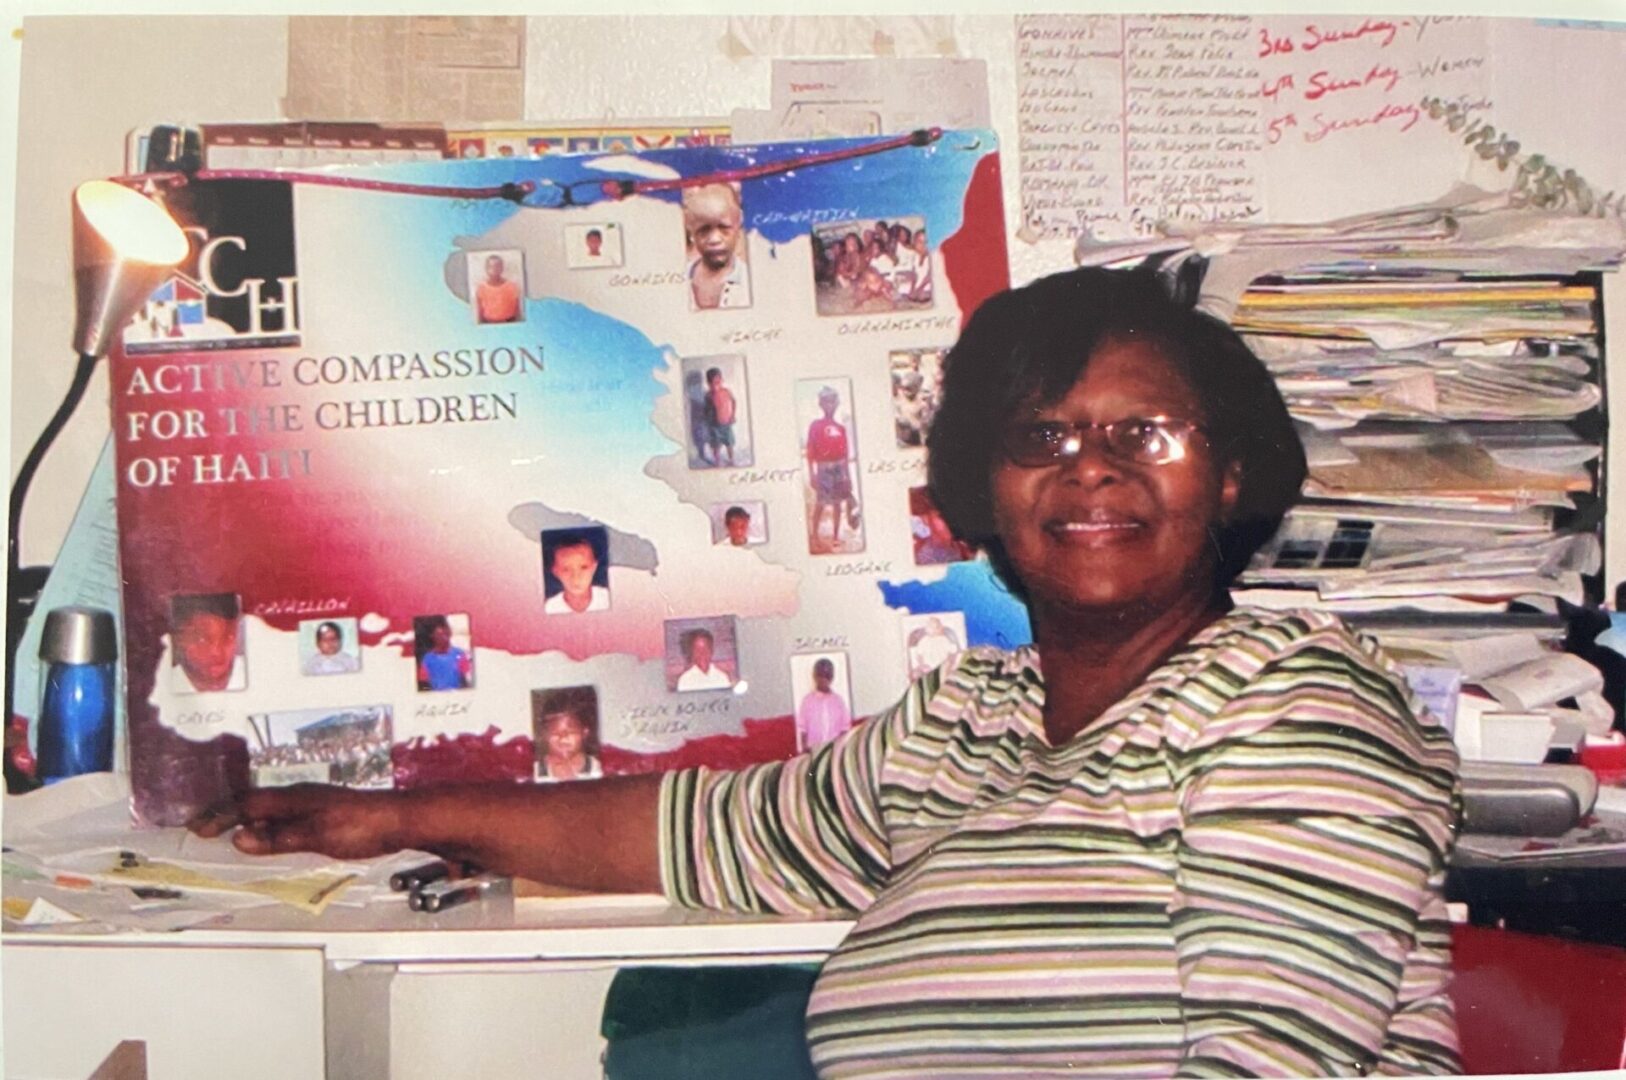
(31, 463)
(15, 602)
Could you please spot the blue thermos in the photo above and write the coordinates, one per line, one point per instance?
(80, 650)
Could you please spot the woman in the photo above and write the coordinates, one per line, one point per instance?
(1201, 842)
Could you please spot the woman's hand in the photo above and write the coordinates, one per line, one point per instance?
(334, 821)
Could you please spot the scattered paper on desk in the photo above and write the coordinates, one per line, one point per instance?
(308, 892)
(41, 912)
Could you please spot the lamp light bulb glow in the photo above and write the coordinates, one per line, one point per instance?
(131, 224)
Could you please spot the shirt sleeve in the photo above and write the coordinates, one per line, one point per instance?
(1317, 816)
(797, 837)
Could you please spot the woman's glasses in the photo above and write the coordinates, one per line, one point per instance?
(1140, 440)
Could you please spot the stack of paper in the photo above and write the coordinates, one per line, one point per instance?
(1451, 432)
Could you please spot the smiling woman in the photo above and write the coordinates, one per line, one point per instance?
(1168, 839)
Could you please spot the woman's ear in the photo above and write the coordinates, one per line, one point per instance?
(1230, 490)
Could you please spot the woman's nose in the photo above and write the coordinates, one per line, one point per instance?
(1091, 463)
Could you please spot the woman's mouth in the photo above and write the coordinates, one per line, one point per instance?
(1094, 527)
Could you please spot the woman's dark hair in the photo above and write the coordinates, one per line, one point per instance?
(1031, 345)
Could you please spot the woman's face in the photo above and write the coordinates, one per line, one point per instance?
(327, 641)
(1097, 533)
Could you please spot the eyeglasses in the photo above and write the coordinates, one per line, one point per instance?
(1139, 440)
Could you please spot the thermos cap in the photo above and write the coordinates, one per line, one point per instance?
(79, 635)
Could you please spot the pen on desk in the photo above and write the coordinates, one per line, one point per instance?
(414, 878)
(440, 895)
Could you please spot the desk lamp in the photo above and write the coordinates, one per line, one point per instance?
(123, 245)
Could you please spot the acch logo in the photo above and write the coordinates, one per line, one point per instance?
(238, 287)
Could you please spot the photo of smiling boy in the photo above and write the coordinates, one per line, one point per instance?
(576, 577)
(701, 654)
(206, 643)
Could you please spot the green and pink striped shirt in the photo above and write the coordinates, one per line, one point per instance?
(1235, 871)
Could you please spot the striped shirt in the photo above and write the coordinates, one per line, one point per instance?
(1236, 870)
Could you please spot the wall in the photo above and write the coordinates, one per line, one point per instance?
(85, 82)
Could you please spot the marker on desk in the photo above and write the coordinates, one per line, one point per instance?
(440, 895)
(415, 878)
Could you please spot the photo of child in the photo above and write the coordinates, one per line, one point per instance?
(934, 543)
(928, 640)
(564, 725)
(329, 647)
(442, 646)
(701, 654)
(714, 244)
(822, 691)
(871, 265)
(497, 286)
(739, 524)
(206, 643)
(575, 570)
(717, 411)
(824, 406)
(593, 247)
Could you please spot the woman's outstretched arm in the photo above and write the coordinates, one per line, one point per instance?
(599, 836)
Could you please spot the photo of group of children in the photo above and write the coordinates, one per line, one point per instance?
(871, 265)
(348, 746)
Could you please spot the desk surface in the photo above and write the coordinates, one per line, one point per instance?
(495, 929)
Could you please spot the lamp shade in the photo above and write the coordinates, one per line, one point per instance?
(123, 244)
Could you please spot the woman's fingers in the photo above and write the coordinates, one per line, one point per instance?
(214, 821)
(316, 817)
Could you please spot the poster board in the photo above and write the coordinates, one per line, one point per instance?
(368, 440)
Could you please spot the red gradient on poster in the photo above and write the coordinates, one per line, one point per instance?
(975, 260)
(485, 758)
